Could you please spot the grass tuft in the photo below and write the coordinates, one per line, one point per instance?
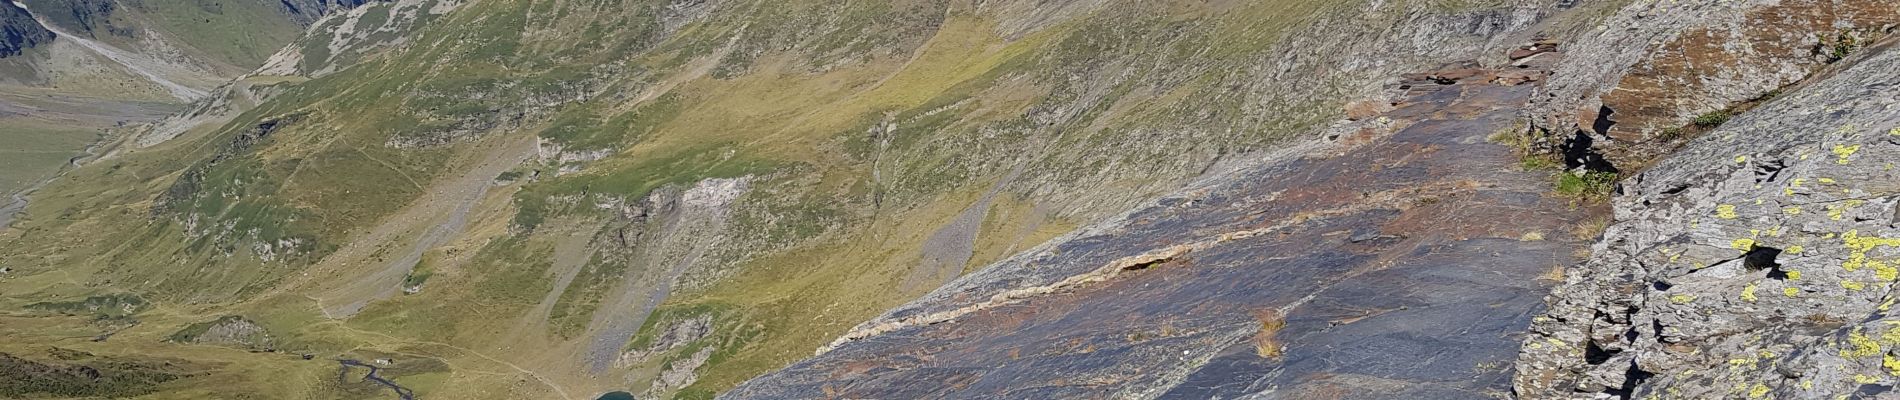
(1265, 343)
(1587, 187)
(1712, 119)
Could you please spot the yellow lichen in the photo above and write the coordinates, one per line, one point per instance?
(1861, 345)
(1795, 249)
(1741, 159)
(1884, 271)
(1725, 211)
(1844, 152)
(1681, 298)
(1757, 392)
(1853, 285)
(1892, 336)
(1893, 365)
(1863, 379)
(1858, 246)
(1790, 292)
(1796, 210)
(1794, 275)
(1827, 180)
(1807, 384)
(1748, 292)
(1743, 244)
(1888, 304)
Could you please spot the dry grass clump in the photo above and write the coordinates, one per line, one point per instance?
(1264, 343)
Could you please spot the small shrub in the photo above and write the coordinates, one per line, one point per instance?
(1712, 119)
(1771, 95)
(1844, 45)
(1670, 134)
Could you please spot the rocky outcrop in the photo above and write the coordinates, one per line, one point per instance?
(82, 17)
(18, 31)
(1757, 261)
(1659, 70)
(230, 330)
(676, 335)
(306, 12)
(669, 239)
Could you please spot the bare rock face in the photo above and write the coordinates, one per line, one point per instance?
(18, 31)
(95, 18)
(1758, 261)
(676, 335)
(1397, 262)
(306, 12)
(230, 330)
(1660, 66)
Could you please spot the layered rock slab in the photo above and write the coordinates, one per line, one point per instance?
(1404, 259)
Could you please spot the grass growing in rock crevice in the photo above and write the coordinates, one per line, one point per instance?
(1580, 185)
(1587, 186)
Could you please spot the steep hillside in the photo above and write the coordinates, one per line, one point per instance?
(947, 198)
(672, 198)
(180, 48)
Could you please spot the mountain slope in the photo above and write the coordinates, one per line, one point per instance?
(933, 198)
(1400, 261)
(70, 70)
(767, 174)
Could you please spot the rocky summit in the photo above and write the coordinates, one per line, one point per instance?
(924, 199)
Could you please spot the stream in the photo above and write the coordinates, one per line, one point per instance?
(342, 377)
(16, 203)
